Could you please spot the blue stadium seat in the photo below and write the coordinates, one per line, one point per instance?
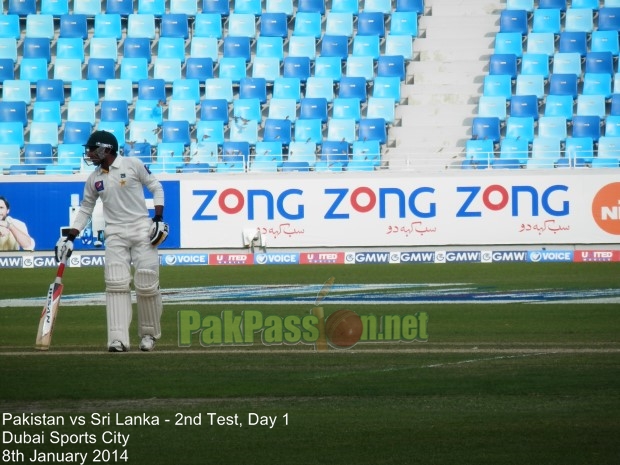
(311, 6)
(55, 7)
(234, 47)
(587, 4)
(208, 25)
(599, 62)
(347, 108)
(220, 7)
(372, 129)
(579, 150)
(486, 128)
(410, 5)
(210, 131)
(329, 67)
(317, 87)
(367, 150)
(614, 108)
(333, 151)
(503, 64)
(76, 132)
(521, 128)
(248, 6)
(40, 26)
(12, 133)
(369, 46)
(547, 20)
(479, 152)
(296, 67)
(313, 108)
(559, 105)
(100, 69)
(186, 89)
(152, 89)
(250, 87)
(390, 87)
(579, 19)
(355, 87)
(308, 131)
(247, 109)
(382, 107)
(119, 7)
(182, 110)
(198, 68)
(524, 105)
(302, 46)
(267, 68)
(287, 88)
(73, 25)
(573, 42)
(563, 84)
(148, 110)
(115, 110)
(118, 89)
(587, 126)
(359, 66)
(591, 105)
(232, 68)
(219, 88)
(514, 21)
(514, 149)
(277, 130)
(609, 19)
(531, 84)
(22, 7)
(399, 45)
(214, 110)
(241, 25)
(597, 84)
(170, 153)
(280, 6)
(7, 70)
(39, 154)
(339, 24)
(168, 69)
(33, 69)
(85, 90)
(495, 85)
(604, 41)
(87, 7)
(155, 7)
(137, 47)
(205, 47)
(174, 25)
(108, 25)
(171, 47)
(541, 42)
(553, 126)
(13, 112)
(508, 43)
(269, 151)
(335, 46)
(233, 150)
(186, 7)
(141, 25)
(535, 64)
(272, 47)
(16, 90)
(134, 69)
(70, 155)
(44, 133)
(144, 131)
(370, 23)
(274, 25)
(282, 108)
(304, 152)
(117, 128)
(308, 23)
(50, 90)
(381, 6)
(10, 27)
(48, 112)
(37, 47)
(70, 48)
(176, 131)
(558, 4)
(609, 147)
(204, 152)
(81, 111)
(546, 151)
(391, 65)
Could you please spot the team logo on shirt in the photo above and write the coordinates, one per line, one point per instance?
(123, 180)
(99, 186)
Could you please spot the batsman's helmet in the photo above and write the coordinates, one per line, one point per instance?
(102, 139)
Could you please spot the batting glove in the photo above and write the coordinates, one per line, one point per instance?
(64, 248)
(159, 231)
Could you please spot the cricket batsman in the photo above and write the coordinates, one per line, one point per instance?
(131, 239)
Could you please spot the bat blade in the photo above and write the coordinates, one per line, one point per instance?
(48, 316)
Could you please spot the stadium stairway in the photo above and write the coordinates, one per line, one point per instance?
(450, 60)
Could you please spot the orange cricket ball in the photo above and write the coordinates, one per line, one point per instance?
(344, 328)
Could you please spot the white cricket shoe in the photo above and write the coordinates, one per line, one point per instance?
(147, 344)
(117, 346)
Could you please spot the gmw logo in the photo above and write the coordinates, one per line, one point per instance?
(606, 208)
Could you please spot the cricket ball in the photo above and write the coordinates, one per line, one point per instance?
(344, 328)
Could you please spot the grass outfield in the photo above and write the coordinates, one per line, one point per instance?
(500, 382)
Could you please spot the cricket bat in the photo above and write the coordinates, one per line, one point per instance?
(50, 310)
